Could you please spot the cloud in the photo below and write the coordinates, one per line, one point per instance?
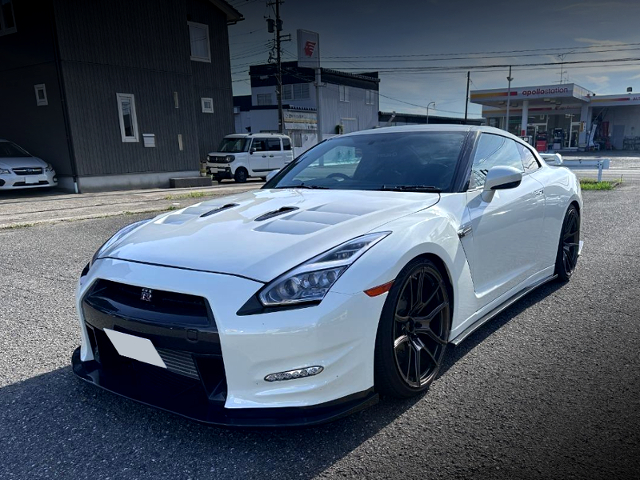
(593, 41)
(601, 81)
(579, 7)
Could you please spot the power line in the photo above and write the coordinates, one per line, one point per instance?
(452, 68)
(551, 49)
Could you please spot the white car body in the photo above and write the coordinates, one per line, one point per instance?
(511, 249)
(256, 160)
(25, 170)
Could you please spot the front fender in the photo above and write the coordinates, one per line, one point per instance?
(433, 231)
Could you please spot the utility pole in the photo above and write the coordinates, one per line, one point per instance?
(509, 79)
(276, 27)
(466, 99)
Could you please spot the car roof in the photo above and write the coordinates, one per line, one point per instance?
(247, 135)
(435, 128)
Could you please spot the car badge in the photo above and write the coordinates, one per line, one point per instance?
(146, 294)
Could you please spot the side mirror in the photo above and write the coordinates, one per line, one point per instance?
(272, 174)
(554, 159)
(500, 178)
(252, 151)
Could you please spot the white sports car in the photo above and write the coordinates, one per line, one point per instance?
(346, 276)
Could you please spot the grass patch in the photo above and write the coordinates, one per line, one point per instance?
(189, 195)
(591, 184)
(17, 225)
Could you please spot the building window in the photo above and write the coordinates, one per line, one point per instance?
(41, 94)
(127, 114)
(370, 96)
(344, 93)
(199, 37)
(297, 91)
(207, 105)
(7, 18)
(264, 99)
(176, 103)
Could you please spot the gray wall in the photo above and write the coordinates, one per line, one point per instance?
(140, 48)
(28, 59)
(212, 80)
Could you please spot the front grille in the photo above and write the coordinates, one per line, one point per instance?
(155, 306)
(28, 171)
(181, 373)
(179, 362)
(25, 184)
(217, 159)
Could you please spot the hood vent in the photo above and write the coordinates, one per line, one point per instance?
(275, 213)
(219, 209)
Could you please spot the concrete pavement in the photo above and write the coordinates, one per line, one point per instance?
(31, 207)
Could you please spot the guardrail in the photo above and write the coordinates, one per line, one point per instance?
(592, 164)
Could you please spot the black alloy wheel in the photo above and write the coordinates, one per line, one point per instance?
(241, 175)
(413, 331)
(567, 257)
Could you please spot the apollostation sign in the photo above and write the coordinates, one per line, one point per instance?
(531, 93)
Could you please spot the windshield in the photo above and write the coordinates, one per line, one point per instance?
(8, 150)
(419, 161)
(233, 145)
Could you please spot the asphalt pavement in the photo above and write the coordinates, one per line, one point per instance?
(548, 389)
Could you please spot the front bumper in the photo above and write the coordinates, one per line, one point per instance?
(234, 353)
(12, 181)
(220, 171)
(189, 400)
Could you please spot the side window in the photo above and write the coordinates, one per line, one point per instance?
(273, 144)
(493, 150)
(286, 143)
(528, 159)
(260, 144)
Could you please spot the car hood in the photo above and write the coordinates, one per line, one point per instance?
(239, 240)
(16, 162)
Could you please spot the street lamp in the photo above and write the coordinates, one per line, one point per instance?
(434, 106)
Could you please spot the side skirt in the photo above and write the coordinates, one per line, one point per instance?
(500, 308)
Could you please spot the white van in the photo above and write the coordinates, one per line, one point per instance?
(246, 155)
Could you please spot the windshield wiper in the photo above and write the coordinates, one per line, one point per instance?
(411, 188)
(302, 185)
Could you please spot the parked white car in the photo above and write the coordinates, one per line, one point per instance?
(347, 275)
(20, 169)
(247, 155)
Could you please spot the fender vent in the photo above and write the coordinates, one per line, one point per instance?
(219, 209)
(275, 213)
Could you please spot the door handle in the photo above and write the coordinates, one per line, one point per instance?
(270, 156)
(464, 230)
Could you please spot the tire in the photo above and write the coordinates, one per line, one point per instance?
(568, 245)
(401, 339)
(241, 175)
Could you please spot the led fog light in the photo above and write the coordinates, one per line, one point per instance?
(291, 374)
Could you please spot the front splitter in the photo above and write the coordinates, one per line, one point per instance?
(190, 403)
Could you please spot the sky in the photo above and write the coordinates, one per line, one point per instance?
(403, 38)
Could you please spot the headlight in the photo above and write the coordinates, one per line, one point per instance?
(311, 281)
(4, 171)
(119, 235)
(49, 168)
(230, 158)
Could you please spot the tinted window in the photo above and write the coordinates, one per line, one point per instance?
(491, 151)
(529, 160)
(377, 161)
(286, 144)
(273, 144)
(259, 144)
(8, 150)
